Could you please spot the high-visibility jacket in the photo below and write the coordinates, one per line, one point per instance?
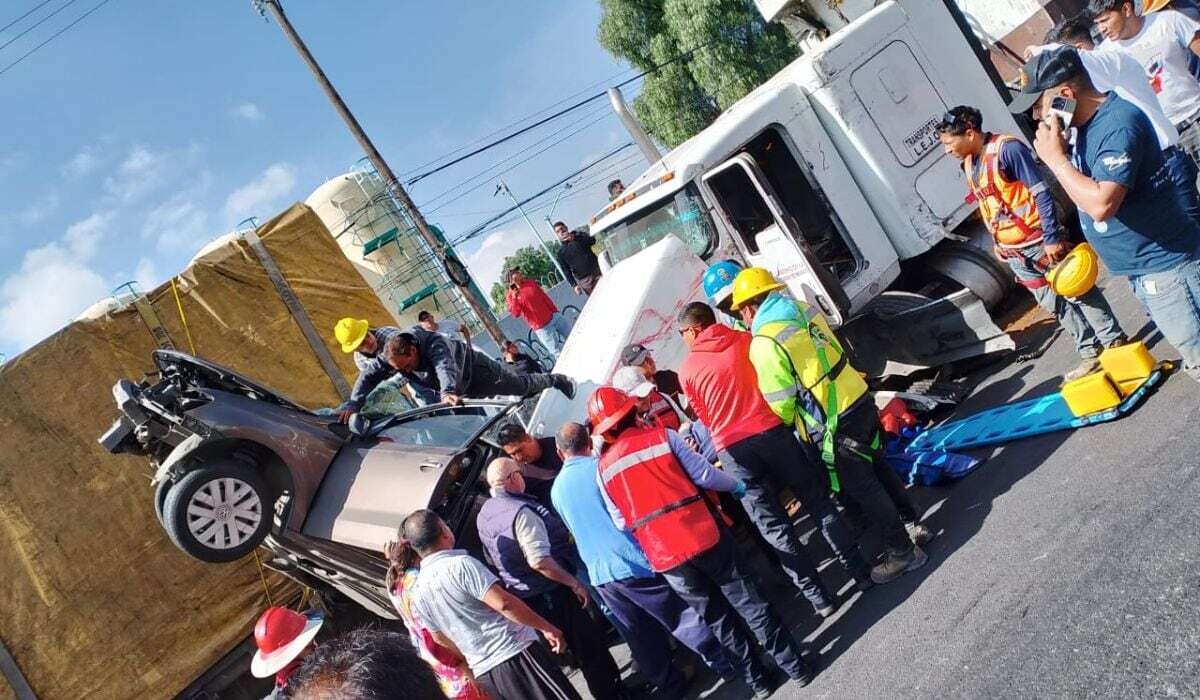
(661, 506)
(804, 374)
(1007, 206)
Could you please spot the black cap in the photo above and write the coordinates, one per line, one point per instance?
(1046, 70)
(634, 354)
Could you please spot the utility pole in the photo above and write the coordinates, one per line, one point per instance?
(502, 187)
(453, 267)
(554, 206)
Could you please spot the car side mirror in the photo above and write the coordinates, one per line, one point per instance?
(360, 425)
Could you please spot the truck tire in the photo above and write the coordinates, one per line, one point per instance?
(976, 269)
(219, 513)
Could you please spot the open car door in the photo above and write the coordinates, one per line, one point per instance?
(768, 236)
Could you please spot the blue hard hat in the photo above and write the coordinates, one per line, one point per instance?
(718, 281)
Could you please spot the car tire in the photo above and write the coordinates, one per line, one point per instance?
(219, 513)
(160, 498)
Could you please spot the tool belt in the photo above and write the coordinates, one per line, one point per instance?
(1039, 265)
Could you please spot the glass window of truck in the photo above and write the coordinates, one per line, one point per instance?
(683, 215)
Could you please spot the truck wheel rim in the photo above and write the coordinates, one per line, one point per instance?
(224, 513)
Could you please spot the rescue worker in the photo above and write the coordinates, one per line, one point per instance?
(654, 486)
(533, 553)
(538, 457)
(756, 447)
(808, 382)
(357, 337)
(1003, 179)
(653, 407)
(718, 287)
(284, 638)
(648, 610)
(454, 370)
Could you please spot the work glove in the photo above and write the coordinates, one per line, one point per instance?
(739, 490)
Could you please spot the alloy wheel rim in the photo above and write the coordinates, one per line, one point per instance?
(224, 513)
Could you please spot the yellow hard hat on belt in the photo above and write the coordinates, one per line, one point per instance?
(350, 333)
(752, 282)
(1076, 274)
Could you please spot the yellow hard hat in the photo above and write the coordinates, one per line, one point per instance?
(752, 282)
(1154, 6)
(350, 333)
(1075, 275)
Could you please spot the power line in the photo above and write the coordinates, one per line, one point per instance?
(510, 125)
(528, 158)
(54, 36)
(683, 56)
(36, 24)
(37, 7)
(601, 159)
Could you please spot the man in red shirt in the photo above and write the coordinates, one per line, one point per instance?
(526, 300)
(721, 386)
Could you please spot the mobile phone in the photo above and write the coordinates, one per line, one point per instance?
(1063, 108)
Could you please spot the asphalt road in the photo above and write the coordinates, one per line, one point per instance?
(1065, 566)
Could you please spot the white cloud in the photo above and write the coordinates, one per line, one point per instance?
(248, 111)
(487, 262)
(146, 275)
(263, 193)
(37, 211)
(179, 224)
(53, 284)
(82, 163)
(142, 172)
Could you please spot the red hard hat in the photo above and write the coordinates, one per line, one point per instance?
(281, 634)
(607, 406)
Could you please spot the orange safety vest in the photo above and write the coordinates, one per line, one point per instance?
(661, 506)
(1007, 206)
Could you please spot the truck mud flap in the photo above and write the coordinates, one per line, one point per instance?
(931, 334)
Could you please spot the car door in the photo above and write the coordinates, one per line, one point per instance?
(768, 237)
(424, 458)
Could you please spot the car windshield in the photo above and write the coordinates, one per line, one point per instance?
(447, 427)
(683, 215)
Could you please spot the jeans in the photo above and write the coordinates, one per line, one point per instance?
(491, 378)
(1182, 171)
(651, 610)
(1173, 300)
(774, 459)
(554, 334)
(715, 586)
(1088, 318)
(584, 640)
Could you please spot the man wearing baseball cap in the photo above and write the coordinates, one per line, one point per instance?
(1128, 208)
(283, 637)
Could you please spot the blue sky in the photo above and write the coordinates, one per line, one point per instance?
(152, 127)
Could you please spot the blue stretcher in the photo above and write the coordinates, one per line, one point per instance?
(1046, 414)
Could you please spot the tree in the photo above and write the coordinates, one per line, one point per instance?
(739, 51)
(534, 263)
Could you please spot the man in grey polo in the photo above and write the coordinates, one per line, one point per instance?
(468, 611)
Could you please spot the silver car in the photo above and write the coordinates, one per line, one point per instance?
(238, 465)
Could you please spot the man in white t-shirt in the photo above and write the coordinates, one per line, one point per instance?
(1121, 73)
(1163, 43)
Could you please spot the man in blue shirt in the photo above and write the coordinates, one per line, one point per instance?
(1018, 208)
(1127, 206)
(639, 598)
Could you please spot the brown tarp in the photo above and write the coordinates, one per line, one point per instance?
(96, 601)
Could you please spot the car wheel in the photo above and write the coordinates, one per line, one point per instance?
(219, 513)
(160, 498)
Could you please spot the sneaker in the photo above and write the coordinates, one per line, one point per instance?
(827, 611)
(764, 686)
(564, 384)
(1084, 369)
(896, 565)
(1117, 343)
(919, 534)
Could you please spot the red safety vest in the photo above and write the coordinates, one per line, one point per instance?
(664, 509)
(662, 413)
(1007, 206)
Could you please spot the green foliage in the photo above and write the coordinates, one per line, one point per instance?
(740, 52)
(534, 263)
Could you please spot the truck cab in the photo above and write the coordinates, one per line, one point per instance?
(830, 174)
